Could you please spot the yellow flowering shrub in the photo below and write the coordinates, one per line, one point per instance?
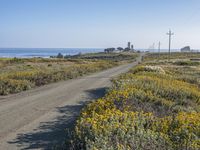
(145, 109)
(115, 129)
(183, 129)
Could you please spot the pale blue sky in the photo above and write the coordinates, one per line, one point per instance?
(98, 23)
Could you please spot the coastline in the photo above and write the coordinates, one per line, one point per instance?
(44, 52)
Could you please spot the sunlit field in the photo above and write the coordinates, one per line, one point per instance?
(156, 105)
(18, 75)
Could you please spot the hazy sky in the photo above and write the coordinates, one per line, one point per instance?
(98, 23)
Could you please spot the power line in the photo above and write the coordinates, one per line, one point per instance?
(170, 35)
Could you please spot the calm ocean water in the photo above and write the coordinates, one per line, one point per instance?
(44, 52)
(47, 52)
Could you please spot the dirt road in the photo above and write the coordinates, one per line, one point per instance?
(36, 119)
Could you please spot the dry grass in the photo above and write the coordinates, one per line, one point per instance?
(22, 74)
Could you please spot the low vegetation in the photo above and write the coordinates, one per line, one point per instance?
(17, 75)
(123, 56)
(154, 106)
(173, 56)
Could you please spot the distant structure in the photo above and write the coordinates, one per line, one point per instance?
(129, 48)
(186, 49)
(132, 47)
(129, 45)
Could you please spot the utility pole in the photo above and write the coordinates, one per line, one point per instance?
(159, 49)
(170, 35)
(152, 48)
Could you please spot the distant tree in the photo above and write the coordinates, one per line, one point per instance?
(109, 50)
(120, 49)
(60, 55)
(127, 49)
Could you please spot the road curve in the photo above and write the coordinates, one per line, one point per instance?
(36, 119)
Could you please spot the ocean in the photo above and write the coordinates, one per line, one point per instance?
(47, 52)
(44, 52)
